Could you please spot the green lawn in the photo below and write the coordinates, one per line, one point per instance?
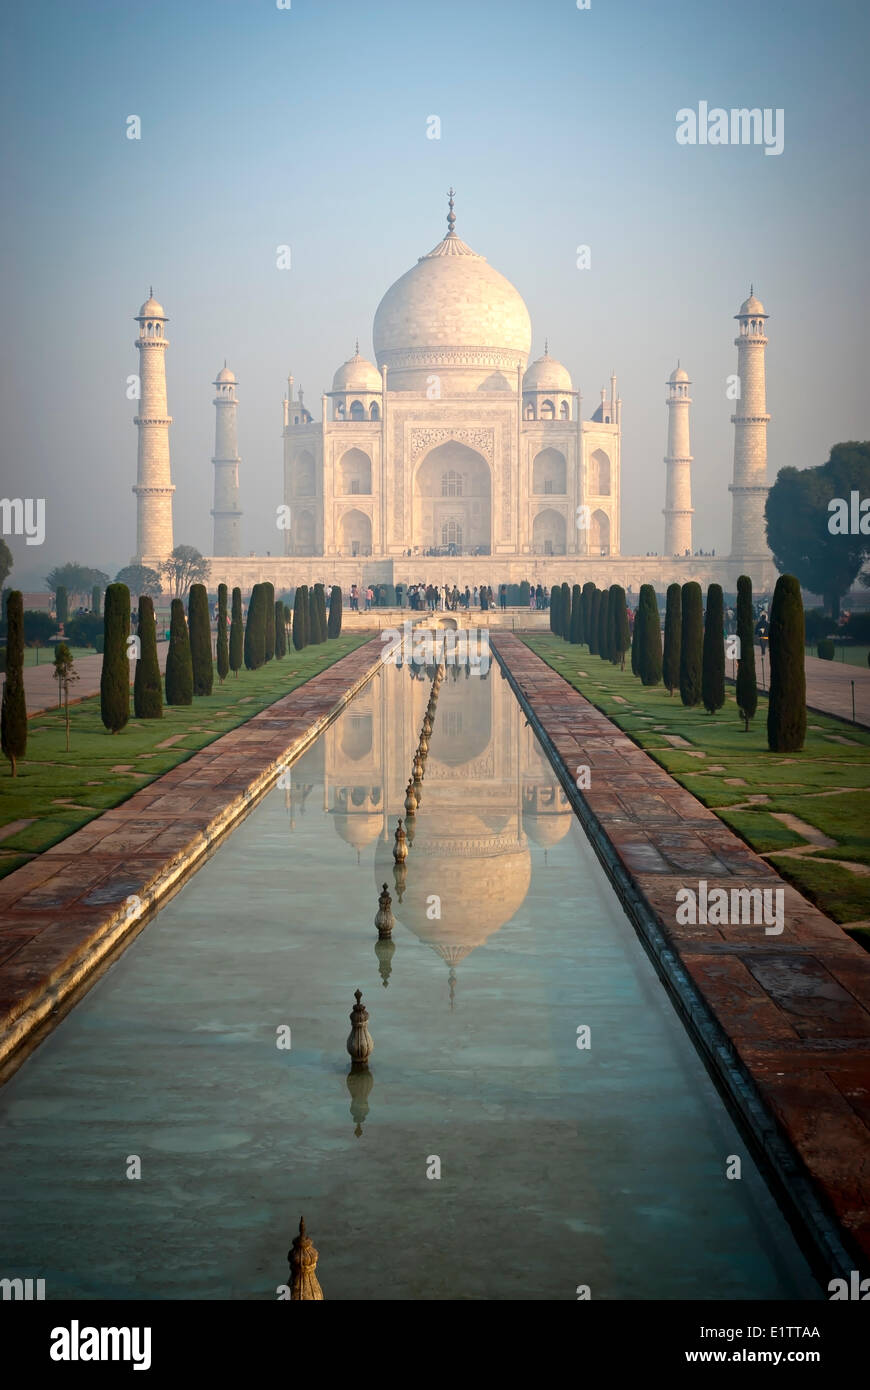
(852, 655)
(59, 791)
(44, 656)
(792, 784)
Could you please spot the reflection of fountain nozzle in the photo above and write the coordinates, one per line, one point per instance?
(400, 878)
(385, 949)
(451, 977)
(359, 1083)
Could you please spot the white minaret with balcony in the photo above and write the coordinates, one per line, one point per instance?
(678, 508)
(153, 478)
(749, 486)
(225, 511)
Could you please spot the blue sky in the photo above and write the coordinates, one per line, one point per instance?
(307, 126)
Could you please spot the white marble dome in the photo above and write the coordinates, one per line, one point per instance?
(452, 314)
(357, 374)
(151, 309)
(547, 374)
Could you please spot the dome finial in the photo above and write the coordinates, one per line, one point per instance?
(451, 216)
(546, 347)
(356, 347)
(150, 291)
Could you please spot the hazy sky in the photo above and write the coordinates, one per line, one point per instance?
(307, 126)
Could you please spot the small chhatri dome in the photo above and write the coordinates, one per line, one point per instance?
(547, 374)
(225, 374)
(357, 374)
(751, 307)
(151, 309)
(678, 374)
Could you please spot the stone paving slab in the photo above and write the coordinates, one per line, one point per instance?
(62, 913)
(794, 1009)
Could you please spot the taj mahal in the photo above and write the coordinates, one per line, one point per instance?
(455, 457)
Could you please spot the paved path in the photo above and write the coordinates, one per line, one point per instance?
(65, 911)
(791, 1012)
(829, 687)
(40, 686)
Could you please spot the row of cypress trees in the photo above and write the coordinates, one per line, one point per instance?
(310, 623)
(692, 657)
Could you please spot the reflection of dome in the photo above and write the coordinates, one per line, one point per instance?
(452, 299)
(359, 829)
(547, 829)
(481, 878)
(546, 374)
(357, 374)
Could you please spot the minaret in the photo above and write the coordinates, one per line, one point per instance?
(678, 510)
(749, 487)
(153, 482)
(226, 511)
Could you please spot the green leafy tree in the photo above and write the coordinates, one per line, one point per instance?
(800, 522)
(184, 567)
(335, 614)
(691, 644)
(147, 682)
(61, 604)
(747, 687)
(787, 697)
(713, 654)
(255, 629)
(78, 580)
(65, 674)
(223, 646)
(649, 649)
(236, 633)
(115, 674)
(140, 579)
(300, 617)
(13, 711)
(179, 662)
(199, 628)
(280, 631)
(576, 614)
(39, 628)
(7, 561)
(97, 597)
(620, 638)
(269, 616)
(673, 626)
(84, 630)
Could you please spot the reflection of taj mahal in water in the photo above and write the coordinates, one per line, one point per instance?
(453, 452)
(489, 796)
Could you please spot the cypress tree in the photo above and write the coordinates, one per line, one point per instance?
(786, 705)
(269, 616)
(179, 663)
(115, 674)
(335, 602)
(13, 712)
(95, 599)
(619, 638)
(673, 624)
(713, 662)
(555, 605)
(236, 636)
(602, 636)
(300, 618)
(636, 634)
(594, 608)
(576, 617)
(255, 629)
(199, 626)
(747, 687)
(147, 684)
(280, 631)
(586, 610)
(223, 649)
(320, 608)
(312, 631)
(649, 647)
(565, 611)
(61, 604)
(691, 643)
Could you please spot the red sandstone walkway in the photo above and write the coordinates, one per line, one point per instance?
(64, 911)
(796, 1006)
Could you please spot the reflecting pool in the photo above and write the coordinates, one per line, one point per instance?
(561, 1165)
